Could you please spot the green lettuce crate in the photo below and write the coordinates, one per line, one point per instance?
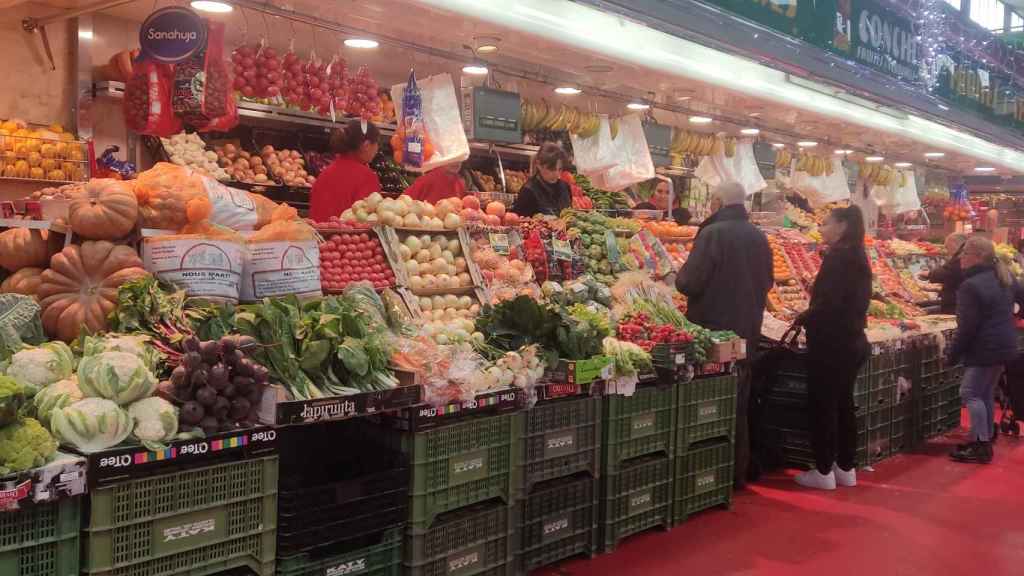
(196, 522)
(561, 438)
(558, 520)
(637, 498)
(637, 425)
(476, 540)
(382, 559)
(460, 465)
(41, 539)
(704, 478)
(706, 410)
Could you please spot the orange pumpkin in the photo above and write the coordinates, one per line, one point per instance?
(105, 209)
(25, 281)
(80, 288)
(24, 247)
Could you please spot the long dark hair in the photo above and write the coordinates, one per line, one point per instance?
(348, 139)
(853, 236)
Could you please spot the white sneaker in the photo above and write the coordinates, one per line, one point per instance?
(847, 478)
(814, 479)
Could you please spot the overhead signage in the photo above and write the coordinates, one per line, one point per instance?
(879, 37)
(172, 34)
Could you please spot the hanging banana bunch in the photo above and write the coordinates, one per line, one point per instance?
(544, 115)
(783, 158)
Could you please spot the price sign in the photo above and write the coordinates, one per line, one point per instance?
(561, 249)
(499, 243)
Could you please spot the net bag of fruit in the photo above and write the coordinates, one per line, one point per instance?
(202, 94)
(147, 99)
(281, 258)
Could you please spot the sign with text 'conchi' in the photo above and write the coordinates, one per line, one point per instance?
(172, 34)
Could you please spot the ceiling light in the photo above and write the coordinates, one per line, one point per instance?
(778, 145)
(361, 43)
(598, 68)
(638, 106)
(754, 114)
(487, 44)
(700, 120)
(902, 164)
(212, 6)
(934, 154)
(807, 143)
(568, 90)
(750, 131)
(984, 169)
(844, 151)
(874, 159)
(477, 69)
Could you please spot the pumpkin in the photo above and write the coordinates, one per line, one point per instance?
(24, 281)
(80, 288)
(24, 247)
(105, 209)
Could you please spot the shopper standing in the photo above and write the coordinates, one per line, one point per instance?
(949, 275)
(985, 341)
(349, 178)
(440, 183)
(726, 280)
(545, 192)
(836, 349)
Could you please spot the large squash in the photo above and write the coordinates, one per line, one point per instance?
(24, 247)
(80, 288)
(105, 209)
(25, 281)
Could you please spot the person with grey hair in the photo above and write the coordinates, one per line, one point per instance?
(949, 275)
(726, 280)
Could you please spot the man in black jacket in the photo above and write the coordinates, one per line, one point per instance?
(949, 274)
(726, 280)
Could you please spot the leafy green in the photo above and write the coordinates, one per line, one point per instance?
(19, 324)
(512, 324)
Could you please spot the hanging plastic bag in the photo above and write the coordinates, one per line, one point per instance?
(824, 186)
(633, 161)
(717, 168)
(147, 99)
(899, 196)
(202, 94)
(445, 139)
(596, 154)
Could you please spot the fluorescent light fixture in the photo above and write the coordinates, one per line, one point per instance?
(85, 34)
(844, 151)
(486, 49)
(700, 120)
(638, 106)
(807, 143)
(874, 159)
(212, 6)
(754, 114)
(750, 131)
(902, 164)
(778, 145)
(984, 169)
(934, 154)
(487, 44)
(363, 43)
(568, 90)
(475, 69)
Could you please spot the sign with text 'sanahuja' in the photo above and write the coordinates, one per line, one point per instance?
(873, 34)
(172, 34)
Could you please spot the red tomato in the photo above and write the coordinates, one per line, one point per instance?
(363, 237)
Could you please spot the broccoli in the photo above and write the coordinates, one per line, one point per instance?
(24, 445)
(12, 397)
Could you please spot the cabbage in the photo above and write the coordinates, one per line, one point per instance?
(156, 419)
(41, 366)
(135, 344)
(92, 424)
(117, 376)
(56, 395)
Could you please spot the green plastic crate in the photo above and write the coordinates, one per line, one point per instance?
(41, 539)
(638, 425)
(879, 443)
(460, 465)
(707, 410)
(561, 438)
(478, 539)
(637, 498)
(558, 520)
(383, 559)
(196, 521)
(704, 478)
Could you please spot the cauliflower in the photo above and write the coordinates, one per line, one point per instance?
(12, 396)
(42, 365)
(156, 419)
(91, 425)
(24, 445)
(56, 395)
(118, 376)
(135, 344)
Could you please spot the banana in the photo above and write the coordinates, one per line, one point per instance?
(546, 115)
(614, 127)
(801, 163)
(730, 147)
(556, 123)
(688, 142)
(829, 168)
(903, 179)
(709, 145)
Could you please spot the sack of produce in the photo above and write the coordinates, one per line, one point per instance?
(147, 99)
(165, 189)
(202, 86)
(281, 258)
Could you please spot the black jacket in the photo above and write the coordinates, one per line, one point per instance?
(837, 314)
(728, 275)
(950, 276)
(985, 330)
(539, 197)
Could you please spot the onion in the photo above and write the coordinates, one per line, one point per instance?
(460, 264)
(452, 221)
(416, 282)
(464, 279)
(438, 302)
(423, 256)
(426, 303)
(435, 251)
(412, 242)
(372, 201)
(412, 267)
(451, 301)
(411, 221)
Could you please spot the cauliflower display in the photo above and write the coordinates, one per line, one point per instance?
(42, 365)
(190, 151)
(24, 445)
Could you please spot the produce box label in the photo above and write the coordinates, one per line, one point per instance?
(357, 566)
(705, 481)
(280, 268)
(556, 527)
(643, 425)
(641, 501)
(561, 249)
(499, 243)
(560, 443)
(707, 411)
(189, 531)
(276, 409)
(467, 467)
(201, 267)
(10, 497)
(466, 561)
(232, 207)
(598, 367)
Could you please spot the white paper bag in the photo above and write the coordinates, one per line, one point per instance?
(717, 168)
(596, 154)
(633, 159)
(824, 189)
(441, 117)
(896, 199)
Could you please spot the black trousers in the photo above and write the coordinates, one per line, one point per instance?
(831, 375)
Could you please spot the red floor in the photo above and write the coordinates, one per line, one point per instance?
(915, 515)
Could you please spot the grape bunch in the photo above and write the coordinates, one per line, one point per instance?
(257, 71)
(217, 385)
(363, 100)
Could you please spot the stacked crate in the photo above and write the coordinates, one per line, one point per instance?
(41, 539)
(939, 408)
(704, 452)
(560, 460)
(639, 435)
(340, 511)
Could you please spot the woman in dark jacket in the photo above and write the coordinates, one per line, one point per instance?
(545, 192)
(985, 341)
(949, 275)
(836, 349)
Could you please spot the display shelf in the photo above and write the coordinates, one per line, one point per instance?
(276, 409)
(428, 416)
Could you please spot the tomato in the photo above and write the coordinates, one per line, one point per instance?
(363, 238)
(337, 239)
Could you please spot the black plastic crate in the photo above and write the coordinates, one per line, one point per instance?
(477, 539)
(703, 478)
(793, 447)
(558, 520)
(379, 556)
(637, 498)
(561, 438)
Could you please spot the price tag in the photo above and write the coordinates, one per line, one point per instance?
(561, 249)
(680, 359)
(607, 371)
(499, 243)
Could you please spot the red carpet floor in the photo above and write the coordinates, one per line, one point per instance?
(915, 515)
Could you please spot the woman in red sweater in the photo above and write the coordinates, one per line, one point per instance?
(440, 183)
(348, 178)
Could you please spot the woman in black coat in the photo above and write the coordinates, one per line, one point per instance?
(836, 349)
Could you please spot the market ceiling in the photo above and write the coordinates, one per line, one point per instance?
(566, 43)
